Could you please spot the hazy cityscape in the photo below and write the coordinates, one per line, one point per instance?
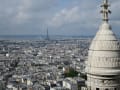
(59, 45)
(42, 64)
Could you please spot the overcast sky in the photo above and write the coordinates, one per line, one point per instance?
(61, 17)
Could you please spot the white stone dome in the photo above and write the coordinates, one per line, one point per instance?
(104, 52)
(105, 39)
(103, 65)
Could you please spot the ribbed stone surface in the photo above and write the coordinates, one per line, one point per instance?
(104, 52)
(103, 65)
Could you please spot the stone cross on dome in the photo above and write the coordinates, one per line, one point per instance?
(105, 11)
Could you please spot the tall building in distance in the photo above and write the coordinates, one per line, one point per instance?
(47, 35)
(103, 65)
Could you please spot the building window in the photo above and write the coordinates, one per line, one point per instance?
(97, 89)
(115, 89)
(106, 89)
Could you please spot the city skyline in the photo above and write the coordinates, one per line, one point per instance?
(61, 17)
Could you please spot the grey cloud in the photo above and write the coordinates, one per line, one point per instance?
(34, 16)
(65, 16)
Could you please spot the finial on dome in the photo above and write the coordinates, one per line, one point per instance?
(105, 11)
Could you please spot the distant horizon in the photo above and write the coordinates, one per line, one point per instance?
(43, 35)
